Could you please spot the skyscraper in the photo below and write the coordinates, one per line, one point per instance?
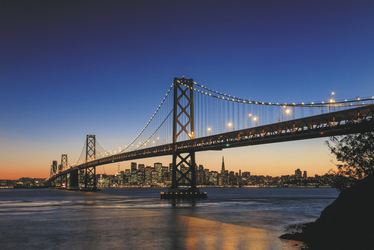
(158, 168)
(224, 173)
(298, 173)
(133, 167)
(223, 165)
(141, 167)
(134, 173)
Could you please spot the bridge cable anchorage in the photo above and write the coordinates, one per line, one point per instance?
(153, 116)
(220, 95)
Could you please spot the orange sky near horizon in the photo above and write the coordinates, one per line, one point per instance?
(269, 159)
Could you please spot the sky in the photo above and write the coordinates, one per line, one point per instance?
(72, 68)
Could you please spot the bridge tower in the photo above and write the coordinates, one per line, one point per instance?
(183, 124)
(90, 172)
(53, 168)
(53, 172)
(64, 165)
(64, 161)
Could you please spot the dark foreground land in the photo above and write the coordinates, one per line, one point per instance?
(348, 223)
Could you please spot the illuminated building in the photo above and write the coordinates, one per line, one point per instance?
(298, 173)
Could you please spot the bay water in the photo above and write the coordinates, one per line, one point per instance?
(136, 218)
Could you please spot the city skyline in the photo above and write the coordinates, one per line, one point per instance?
(159, 175)
(72, 69)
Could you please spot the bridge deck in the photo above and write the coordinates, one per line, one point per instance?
(335, 123)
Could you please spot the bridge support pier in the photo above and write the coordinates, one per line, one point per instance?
(184, 176)
(184, 165)
(90, 179)
(87, 176)
(64, 181)
(73, 180)
(86, 180)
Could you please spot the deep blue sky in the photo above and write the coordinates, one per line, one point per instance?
(71, 68)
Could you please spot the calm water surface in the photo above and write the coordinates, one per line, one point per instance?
(136, 218)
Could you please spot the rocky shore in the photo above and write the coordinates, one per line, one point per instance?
(348, 223)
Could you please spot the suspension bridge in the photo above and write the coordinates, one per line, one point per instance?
(193, 118)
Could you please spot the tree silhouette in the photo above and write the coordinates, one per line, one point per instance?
(356, 154)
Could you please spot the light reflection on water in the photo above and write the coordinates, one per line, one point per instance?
(138, 219)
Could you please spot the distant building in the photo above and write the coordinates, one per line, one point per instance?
(158, 169)
(141, 167)
(164, 174)
(133, 167)
(298, 173)
(201, 167)
(148, 175)
(213, 178)
(140, 177)
(154, 175)
(134, 173)
(127, 177)
(246, 174)
(223, 166)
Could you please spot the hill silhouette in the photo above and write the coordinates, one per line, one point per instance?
(348, 223)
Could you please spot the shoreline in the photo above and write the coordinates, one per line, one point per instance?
(344, 224)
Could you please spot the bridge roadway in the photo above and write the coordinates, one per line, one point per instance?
(334, 123)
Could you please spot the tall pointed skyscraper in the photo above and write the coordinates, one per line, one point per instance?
(223, 166)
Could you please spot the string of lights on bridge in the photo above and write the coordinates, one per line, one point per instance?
(150, 120)
(226, 97)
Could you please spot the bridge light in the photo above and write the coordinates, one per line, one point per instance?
(227, 145)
